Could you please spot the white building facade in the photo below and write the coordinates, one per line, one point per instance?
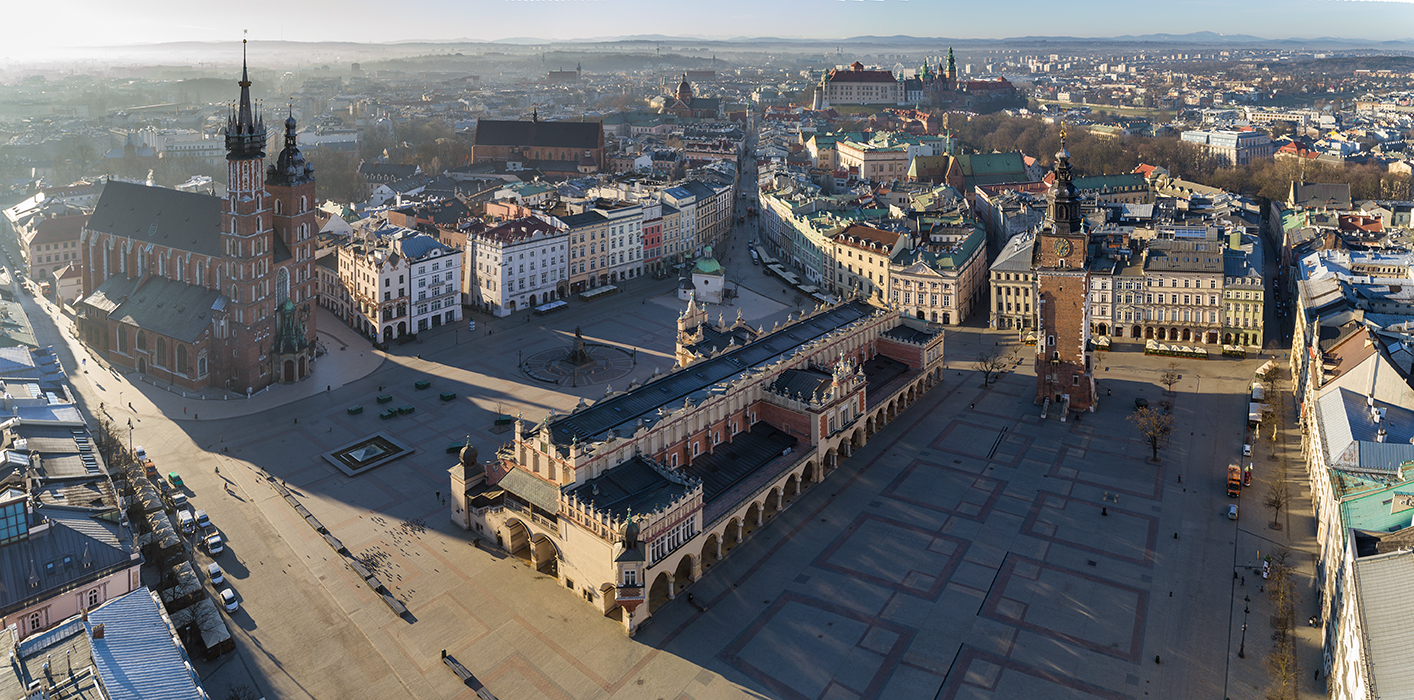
(518, 265)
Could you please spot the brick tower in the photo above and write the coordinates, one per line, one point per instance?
(246, 233)
(1064, 371)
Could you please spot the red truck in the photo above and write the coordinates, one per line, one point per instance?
(1234, 480)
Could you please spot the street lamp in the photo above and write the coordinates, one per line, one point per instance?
(1242, 648)
(130, 436)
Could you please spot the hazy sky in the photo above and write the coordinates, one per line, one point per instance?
(105, 22)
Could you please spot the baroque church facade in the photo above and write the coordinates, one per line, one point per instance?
(201, 291)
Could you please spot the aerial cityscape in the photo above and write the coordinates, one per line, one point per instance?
(1067, 356)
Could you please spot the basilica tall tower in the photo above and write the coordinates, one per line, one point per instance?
(1064, 370)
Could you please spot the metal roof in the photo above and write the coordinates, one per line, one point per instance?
(591, 424)
(1386, 606)
(138, 656)
(163, 306)
(73, 534)
(181, 220)
(632, 486)
(1351, 433)
(534, 490)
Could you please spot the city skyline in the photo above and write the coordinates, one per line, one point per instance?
(97, 24)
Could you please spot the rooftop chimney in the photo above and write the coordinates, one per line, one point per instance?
(98, 631)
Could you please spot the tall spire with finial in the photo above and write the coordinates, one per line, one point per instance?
(245, 135)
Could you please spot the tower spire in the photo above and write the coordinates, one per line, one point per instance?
(245, 135)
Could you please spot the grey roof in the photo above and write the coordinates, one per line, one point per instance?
(16, 359)
(1334, 195)
(532, 489)
(1016, 256)
(418, 246)
(805, 383)
(1351, 433)
(634, 486)
(164, 306)
(1387, 609)
(138, 656)
(15, 328)
(593, 422)
(183, 220)
(71, 533)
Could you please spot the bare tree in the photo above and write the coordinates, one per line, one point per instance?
(241, 692)
(1276, 499)
(1170, 376)
(991, 363)
(1155, 428)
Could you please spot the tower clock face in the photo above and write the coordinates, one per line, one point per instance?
(1062, 247)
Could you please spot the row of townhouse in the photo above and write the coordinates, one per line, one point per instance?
(1197, 285)
(395, 283)
(1357, 417)
(936, 274)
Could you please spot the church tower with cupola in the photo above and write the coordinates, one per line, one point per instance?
(1064, 367)
(951, 71)
(290, 181)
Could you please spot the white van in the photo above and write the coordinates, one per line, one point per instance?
(185, 521)
(202, 521)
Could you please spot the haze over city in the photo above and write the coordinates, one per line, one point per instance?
(999, 351)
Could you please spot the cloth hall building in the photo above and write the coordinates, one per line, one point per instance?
(630, 500)
(202, 291)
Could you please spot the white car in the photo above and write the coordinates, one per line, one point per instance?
(228, 600)
(213, 570)
(1246, 450)
(214, 545)
(1232, 511)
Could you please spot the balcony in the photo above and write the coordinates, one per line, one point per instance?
(629, 592)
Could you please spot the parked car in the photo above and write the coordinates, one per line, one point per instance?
(202, 521)
(140, 453)
(1232, 511)
(175, 478)
(186, 522)
(213, 570)
(179, 500)
(214, 546)
(228, 600)
(1246, 450)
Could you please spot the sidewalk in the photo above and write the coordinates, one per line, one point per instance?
(349, 358)
(1248, 677)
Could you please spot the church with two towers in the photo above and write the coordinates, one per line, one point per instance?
(202, 291)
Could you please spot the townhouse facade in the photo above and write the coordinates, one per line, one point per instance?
(518, 265)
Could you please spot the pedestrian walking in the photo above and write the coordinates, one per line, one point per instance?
(1244, 580)
(1180, 478)
(184, 410)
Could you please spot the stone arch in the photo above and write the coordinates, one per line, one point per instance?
(660, 592)
(809, 477)
(683, 574)
(1227, 339)
(731, 535)
(1149, 333)
(1134, 332)
(752, 519)
(772, 505)
(829, 463)
(791, 488)
(1187, 335)
(610, 593)
(1102, 329)
(517, 538)
(711, 551)
(544, 555)
(856, 440)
